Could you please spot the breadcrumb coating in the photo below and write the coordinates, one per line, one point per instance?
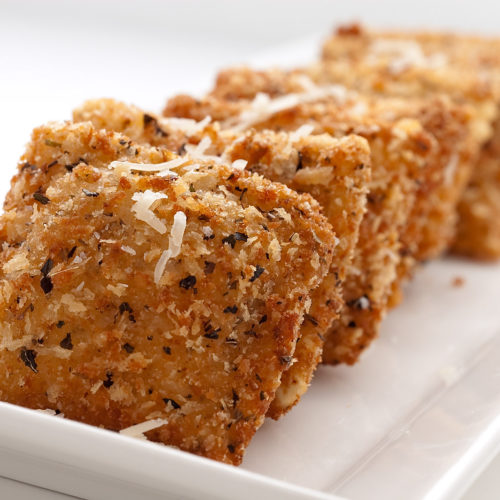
(129, 295)
(466, 68)
(335, 171)
(411, 142)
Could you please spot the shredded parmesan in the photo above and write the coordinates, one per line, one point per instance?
(263, 107)
(163, 168)
(302, 131)
(128, 249)
(138, 430)
(239, 164)
(118, 289)
(160, 265)
(207, 231)
(186, 125)
(405, 54)
(174, 245)
(17, 263)
(451, 169)
(142, 209)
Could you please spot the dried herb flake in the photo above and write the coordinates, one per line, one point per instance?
(28, 358)
(188, 282)
(175, 405)
(233, 238)
(41, 198)
(47, 267)
(91, 194)
(109, 380)
(66, 342)
(129, 348)
(258, 271)
(209, 267)
(46, 284)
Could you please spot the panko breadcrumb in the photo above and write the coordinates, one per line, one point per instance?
(134, 292)
(335, 171)
(467, 68)
(412, 143)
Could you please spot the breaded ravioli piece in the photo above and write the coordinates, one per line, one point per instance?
(408, 162)
(458, 129)
(335, 171)
(135, 289)
(478, 231)
(467, 68)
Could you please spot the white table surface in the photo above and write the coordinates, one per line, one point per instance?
(54, 54)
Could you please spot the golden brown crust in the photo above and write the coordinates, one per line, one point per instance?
(335, 171)
(88, 329)
(467, 68)
(478, 233)
(411, 142)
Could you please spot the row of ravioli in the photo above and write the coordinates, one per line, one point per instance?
(180, 276)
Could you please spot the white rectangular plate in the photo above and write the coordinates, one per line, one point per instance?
(419, 416)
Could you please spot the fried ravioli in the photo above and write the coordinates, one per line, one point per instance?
(335, 171)
(135, 286)
(466, 68)
(409, 163)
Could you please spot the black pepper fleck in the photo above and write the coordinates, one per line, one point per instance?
(233, 238)
(175, 405)
(28, 358)
(91, 194)
(231, 309)
(213, 334)
(167, 350)
(66, 342)
(47, 267)
(311, 319)
(124, 306)
(299, 163)
(71, 252)
(129, 348)
(258, 271)
(148, 119)
(41, 198)
(209, 267)
(187, 282)
(46, 284)
(109, 380)
(236, 398)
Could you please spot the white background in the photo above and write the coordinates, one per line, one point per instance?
(55, 54)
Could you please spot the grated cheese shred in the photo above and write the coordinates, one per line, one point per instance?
(174, 245)
(263, 106)
(138, 430)
(142, 209)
